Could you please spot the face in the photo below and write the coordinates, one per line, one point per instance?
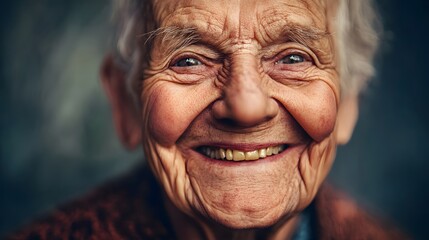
(239, 124)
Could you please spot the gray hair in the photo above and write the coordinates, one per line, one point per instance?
(356, 36)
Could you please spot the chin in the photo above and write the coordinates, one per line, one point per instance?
(249, 222)
(258, 210)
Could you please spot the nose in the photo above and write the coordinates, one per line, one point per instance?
(244, 102)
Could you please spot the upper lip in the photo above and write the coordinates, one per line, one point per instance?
(241, 146)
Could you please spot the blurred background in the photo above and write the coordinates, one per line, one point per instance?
(57, 139)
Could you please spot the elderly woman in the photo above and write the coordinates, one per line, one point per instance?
(239, 106)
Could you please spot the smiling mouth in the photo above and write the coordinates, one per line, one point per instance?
(237, 155)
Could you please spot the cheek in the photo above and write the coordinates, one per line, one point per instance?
(314, 107)
(170, 110)
(167, 116)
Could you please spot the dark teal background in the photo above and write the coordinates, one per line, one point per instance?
(57, 139)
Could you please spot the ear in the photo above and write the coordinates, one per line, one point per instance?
(125, 114)
(346, 119)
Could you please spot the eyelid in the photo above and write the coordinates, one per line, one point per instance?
(204, 54)
(307, 57)
(184, 55)
(281, 50)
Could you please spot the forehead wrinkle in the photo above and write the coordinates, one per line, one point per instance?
(318, 10)
(301, 12)
(194, 17)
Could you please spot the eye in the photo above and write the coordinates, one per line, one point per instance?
(291, 59)
(187, 62)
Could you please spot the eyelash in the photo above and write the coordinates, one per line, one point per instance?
(305, 57)
(201, 62)
(183, 57)
(200, 68)
(197, 57)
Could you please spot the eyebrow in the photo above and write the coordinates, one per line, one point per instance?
(172, 38)
(304, 35)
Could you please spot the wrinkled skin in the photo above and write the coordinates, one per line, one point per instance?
(242, 92)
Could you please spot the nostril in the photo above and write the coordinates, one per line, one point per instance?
(246, 114)
(227, 122)
(231, 123)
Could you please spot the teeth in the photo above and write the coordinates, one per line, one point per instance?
(222, 153)
(253, 155)
(236, 155)
(269, 151)
(275, 150)
(217, 155)
(262, 153)
(229, 155)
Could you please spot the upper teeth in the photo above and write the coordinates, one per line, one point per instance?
(236, 155)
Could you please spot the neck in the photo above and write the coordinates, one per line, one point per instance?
(187, 227)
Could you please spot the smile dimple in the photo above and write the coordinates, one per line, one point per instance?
(237, 155)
